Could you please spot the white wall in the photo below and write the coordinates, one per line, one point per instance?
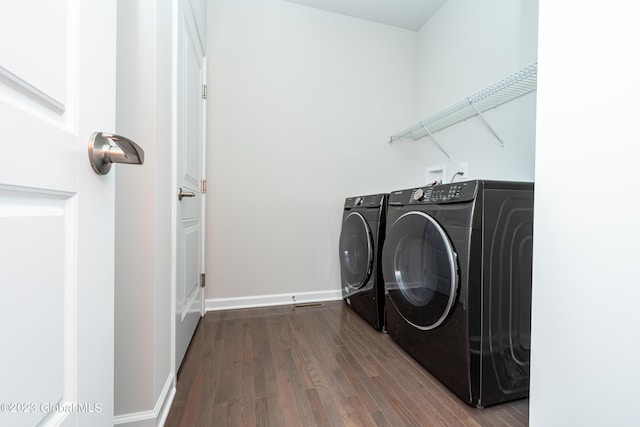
(466, 47)
(143, 372)
(164, 196)
(301, 103)
(134, 267)
(585, 326)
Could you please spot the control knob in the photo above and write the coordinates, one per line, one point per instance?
(358, 201)
(418, 195)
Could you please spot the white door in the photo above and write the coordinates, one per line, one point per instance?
(190, 176)
(57, 86)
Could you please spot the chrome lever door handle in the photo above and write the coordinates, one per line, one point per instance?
(107, 148)
(183, 193)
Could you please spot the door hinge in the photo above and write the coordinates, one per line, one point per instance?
(202, 279)
(203, 186)
(204, 91)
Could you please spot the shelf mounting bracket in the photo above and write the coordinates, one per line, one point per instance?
(436, 141)
(487, 123)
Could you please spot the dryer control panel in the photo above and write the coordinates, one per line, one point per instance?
(370, 201)
(443, 193)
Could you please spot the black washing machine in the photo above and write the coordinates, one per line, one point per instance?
(360, 248)
(457, 265)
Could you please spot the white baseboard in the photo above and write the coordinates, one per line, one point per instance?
(216, 304)
(156, 417)
(164, 404)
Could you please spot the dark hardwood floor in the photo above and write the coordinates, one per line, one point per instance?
(315, 365)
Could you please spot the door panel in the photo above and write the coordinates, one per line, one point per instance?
(356, 251)
(34, 273)
(190, 173)
(191, 149)
(191, 244)
(57, 86)
(25, 71)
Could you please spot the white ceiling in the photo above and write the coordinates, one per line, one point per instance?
(408, 14)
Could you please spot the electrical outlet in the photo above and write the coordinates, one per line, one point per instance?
(464, 168)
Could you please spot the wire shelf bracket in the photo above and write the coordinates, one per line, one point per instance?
(437, 143)
(508, 89)
(487, 123)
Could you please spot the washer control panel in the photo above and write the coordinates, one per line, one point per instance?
(443, 193)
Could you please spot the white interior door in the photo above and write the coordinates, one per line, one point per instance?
(190, 176)
(57, 86)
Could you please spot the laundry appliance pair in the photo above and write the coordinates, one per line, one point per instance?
(456, 268)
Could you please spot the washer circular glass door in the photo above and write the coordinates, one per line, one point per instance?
(420, 270)
(356, 250)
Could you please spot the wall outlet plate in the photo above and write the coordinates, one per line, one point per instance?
(464, 168)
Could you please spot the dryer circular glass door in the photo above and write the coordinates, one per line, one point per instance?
(356, 250)
(420, 270)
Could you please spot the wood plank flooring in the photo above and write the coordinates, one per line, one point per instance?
(317, 365)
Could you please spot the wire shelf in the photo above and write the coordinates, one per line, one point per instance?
(514, 86)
